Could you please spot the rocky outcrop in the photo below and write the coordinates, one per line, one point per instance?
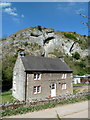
(48, 39)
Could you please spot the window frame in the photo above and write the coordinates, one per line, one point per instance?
(64, 75)
(37, 92)
(64, 86)
(38, 76)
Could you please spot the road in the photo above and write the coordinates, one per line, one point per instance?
(75, 110)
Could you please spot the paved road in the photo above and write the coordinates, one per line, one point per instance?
(76, 110)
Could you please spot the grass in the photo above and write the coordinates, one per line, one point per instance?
(81, 84)
(6, 97)
(75, 91)
(23, 110)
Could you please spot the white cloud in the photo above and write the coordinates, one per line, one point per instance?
(10, 11)
(15, 19)
(67, 7)
(22, 16)
(3, 5)
(80, 11)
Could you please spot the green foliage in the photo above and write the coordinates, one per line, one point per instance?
(75, 91)
(79, 67)
(22, 110)
(3, 39)
(83, 43)
(80, 64)
(57, 53)
(70, 36)
(6, 97)
(7, 71)
(26, 44)
(39, 27)
(76, 55)
(84, 35)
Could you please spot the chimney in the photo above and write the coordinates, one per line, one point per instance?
(61, 58)
(21, 52)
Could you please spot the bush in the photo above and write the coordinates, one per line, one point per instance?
(76, 55)
(39, 27)
(26, 43)
(84, 35)
(70, 36)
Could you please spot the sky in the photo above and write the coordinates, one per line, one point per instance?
(61, 16)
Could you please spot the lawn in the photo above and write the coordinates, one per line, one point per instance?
(6, 97)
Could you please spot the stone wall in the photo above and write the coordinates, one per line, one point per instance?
(42, 102)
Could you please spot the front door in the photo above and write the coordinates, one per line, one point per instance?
(53, 89)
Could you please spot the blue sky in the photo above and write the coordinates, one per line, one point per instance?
(61, 16)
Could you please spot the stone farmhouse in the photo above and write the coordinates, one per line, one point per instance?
(38, 78)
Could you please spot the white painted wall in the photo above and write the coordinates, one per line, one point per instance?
(76, 80)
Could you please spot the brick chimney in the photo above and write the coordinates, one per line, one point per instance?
(61, 58)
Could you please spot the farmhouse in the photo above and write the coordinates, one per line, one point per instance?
(38, 78)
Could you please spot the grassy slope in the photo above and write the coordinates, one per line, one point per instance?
(6, 97)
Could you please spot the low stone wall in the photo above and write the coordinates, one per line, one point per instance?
(42, 102)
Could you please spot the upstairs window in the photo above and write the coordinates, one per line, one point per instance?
(37, 76)
(64, 76)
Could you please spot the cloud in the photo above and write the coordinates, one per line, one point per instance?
(66, 7)
(79, 10)
(17, 20)
(22, 16)
(3, 5)
(11, 11)
(8, 9)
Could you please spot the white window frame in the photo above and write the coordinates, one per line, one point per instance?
(36, 91)
(37, 78)
(64, 76)
(64, 86)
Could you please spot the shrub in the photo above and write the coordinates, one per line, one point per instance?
(84, 35)
(70, 36)
(76, 55)
(26, 43)
(74, 32)
(39, 27)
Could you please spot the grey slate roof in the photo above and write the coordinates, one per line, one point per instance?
(42, 64)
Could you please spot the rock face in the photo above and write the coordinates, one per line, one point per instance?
(48, 40)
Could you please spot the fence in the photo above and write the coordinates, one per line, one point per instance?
(42, 102)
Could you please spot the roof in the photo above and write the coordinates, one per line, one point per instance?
(83, 76)
(43, 64)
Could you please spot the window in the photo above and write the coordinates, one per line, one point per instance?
(37, 76)
(64, 76)
(53, 86)
(37, 89)
(63, 86)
